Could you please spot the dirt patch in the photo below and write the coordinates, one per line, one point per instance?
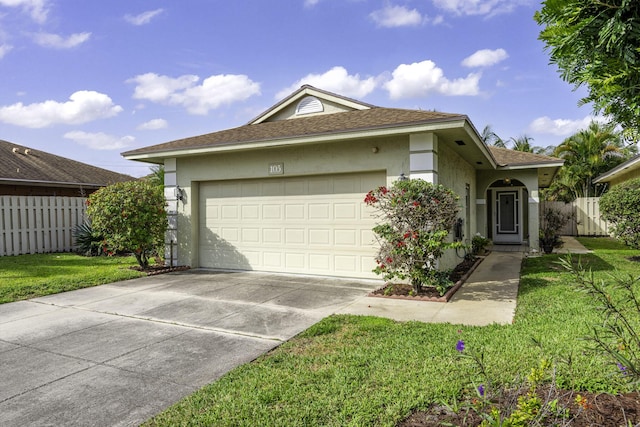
(635, 258)
(577, 409)
(405, 291)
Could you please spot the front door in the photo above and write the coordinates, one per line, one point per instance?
(507, 217)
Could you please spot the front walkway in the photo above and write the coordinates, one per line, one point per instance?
(489, 295)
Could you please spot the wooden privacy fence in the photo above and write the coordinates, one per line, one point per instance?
(38, 224)
(587, 220)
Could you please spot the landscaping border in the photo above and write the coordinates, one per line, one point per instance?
(444, 298)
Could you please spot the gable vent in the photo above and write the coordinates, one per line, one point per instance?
(308, 105)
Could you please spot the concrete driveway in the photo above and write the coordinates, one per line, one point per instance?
(114, 355)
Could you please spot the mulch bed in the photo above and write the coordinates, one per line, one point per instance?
(595, 410)
(159, 269)
(405, 291)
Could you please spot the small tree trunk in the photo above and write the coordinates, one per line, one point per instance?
(142, 259)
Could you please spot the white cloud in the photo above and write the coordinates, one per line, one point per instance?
(82, 107)
(37, 9)
(153, 124)
(560, 127)
(396, 16)
(311, 3)
(336, 80)
(143, 18)
(485, 58)
(197, 99)
(4, 49)
(99, 140)
(58, 42)
(479, 7)
(423, 78)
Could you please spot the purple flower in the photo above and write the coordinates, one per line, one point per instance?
(623, 369)
(481, 390)
(460, 346)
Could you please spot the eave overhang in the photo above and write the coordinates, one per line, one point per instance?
(459, 124)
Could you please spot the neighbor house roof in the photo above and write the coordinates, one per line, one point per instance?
(21, 165)
(623, 168)
(320, 125)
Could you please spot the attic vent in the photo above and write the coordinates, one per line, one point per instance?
(309, 105)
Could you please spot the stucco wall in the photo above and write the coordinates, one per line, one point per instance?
(392, 156)
(455, 173)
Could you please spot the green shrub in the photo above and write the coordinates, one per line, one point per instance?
(131, 216)
(87, 242)
(621, 207)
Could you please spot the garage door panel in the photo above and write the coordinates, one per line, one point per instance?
(250, 235)
(229, 212)
(294, 211)
(250, 212)
(294, 236)
(345, 211)
(345, 238)
(320, 211)
(319, 237)
(312, 225)
(271, 212)
(272, 236)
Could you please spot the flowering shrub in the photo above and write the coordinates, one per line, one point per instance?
(131, 217)
(416, 218)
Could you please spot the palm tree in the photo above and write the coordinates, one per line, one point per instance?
(523, 143)
(587, 154)
(491, 138)
(156, 177)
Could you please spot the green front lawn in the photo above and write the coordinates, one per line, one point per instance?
(367, 371)
(29, 276)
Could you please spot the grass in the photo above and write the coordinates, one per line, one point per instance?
(368, 371)
(28, 276)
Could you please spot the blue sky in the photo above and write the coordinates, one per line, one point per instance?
(90, 79)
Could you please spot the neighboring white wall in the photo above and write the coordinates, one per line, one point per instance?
(391, 156)
(39, 224)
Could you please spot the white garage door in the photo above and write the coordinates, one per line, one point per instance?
(308, 225)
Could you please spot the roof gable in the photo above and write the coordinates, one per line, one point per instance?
(332, 103)
(19, 164)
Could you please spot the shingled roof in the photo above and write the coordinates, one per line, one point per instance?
(19, 164)
(319, 125)
(507, 157)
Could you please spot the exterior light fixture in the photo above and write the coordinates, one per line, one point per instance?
(402, 177)
(507, 180)
(179, 193)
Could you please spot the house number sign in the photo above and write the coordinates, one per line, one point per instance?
(276, 169)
